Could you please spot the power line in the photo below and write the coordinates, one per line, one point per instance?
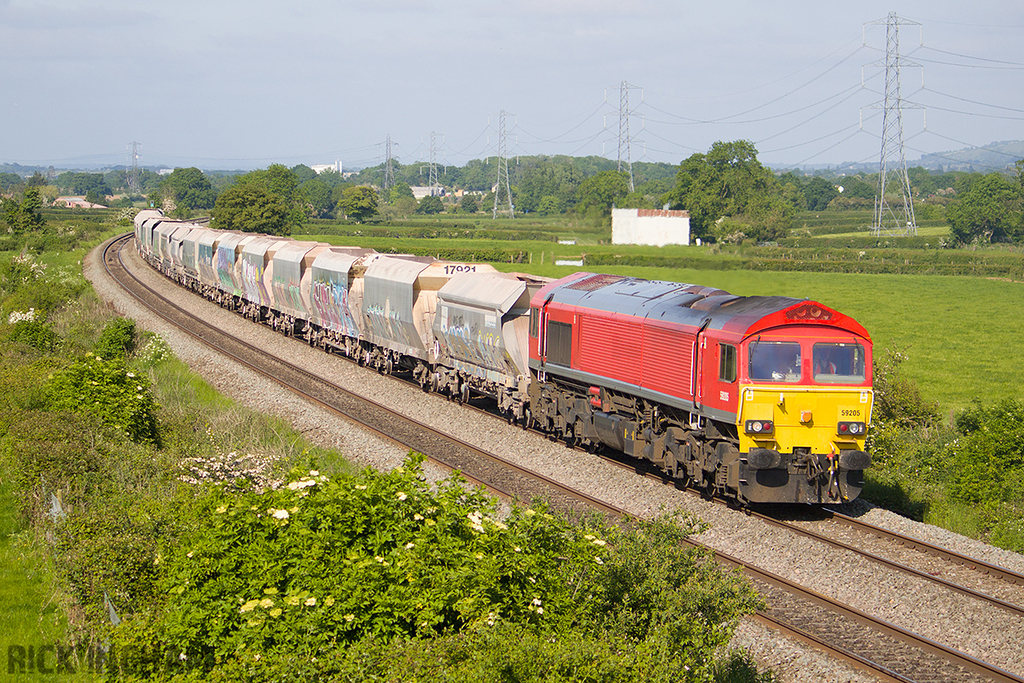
(1014, 65)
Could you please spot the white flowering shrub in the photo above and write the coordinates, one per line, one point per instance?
(296, 582)
(153, 351)
(21, 316)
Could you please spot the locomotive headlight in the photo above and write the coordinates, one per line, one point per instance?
(851, 428)
(758, 426)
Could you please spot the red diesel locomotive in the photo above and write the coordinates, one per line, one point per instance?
(765, 399)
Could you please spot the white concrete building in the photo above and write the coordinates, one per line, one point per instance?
(654, 227)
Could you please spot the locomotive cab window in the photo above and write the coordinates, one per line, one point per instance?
(774, 361)
(726, 363)
(838, 363)
(534, 322)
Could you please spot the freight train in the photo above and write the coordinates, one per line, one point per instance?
(761, 399)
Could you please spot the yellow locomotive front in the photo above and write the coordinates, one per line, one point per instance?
(804, 409)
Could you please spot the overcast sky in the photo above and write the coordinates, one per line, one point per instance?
(225, 85)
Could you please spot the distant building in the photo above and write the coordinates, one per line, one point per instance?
(654, 227)
(320, 168)
(76, 203)
(419, 192)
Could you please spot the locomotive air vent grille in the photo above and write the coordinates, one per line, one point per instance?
(595, 282)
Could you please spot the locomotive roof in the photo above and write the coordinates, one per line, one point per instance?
(688, 304)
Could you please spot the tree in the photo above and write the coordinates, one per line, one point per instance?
(469, 204)
(189, 189)
(9, 181)
(990, 211)
(400, 190)
(358, 202)
(430, 205)
(23, 216)
(730, 182)
(80, 183)
(601, 191)
(278, 180)
(303, 173)
(819, 192)
(251, 208)
(548, 206)
(93, 196)
(318, 197)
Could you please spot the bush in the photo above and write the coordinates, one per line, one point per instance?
(897, 399)
(48, 453)
(34, 333)
(109, 390)
(108, 548)
(987, 458)
(117, 339)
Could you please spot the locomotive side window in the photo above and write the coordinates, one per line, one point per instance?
(839, 363)
(774, 361)
(534, 322)
(726, 363)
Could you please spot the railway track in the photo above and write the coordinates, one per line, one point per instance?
(887, 651)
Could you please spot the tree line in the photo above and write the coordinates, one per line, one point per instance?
(730, 195)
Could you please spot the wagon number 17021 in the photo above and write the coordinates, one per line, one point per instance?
(449, 270)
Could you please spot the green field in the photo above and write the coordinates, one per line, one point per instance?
(960, 333)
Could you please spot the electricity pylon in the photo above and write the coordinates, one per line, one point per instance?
(624, 156)
(506, 206)
(894, 215)
(389, 174)
(433, 165)
(132, 174)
